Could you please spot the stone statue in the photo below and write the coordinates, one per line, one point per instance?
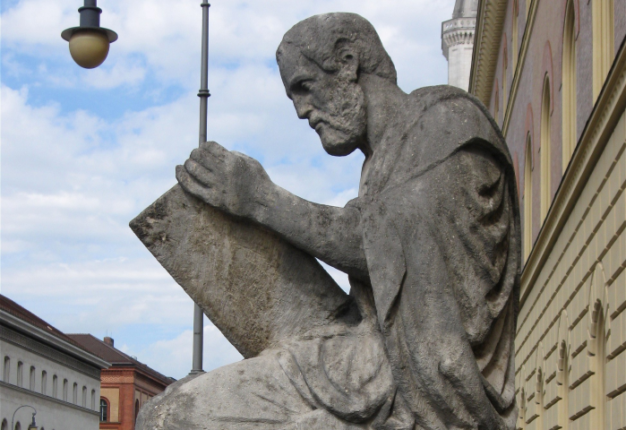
(431, 245)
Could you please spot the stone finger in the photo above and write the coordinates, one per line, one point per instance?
(200, 173)
(189, 184)
(215, 149)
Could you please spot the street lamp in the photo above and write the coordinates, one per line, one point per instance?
(89, 43)
(33, 425)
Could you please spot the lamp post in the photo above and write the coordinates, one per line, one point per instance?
(204, 94)
(89, 43)
(89, 46)
(33, 424)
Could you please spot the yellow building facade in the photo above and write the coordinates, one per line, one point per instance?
(553, 73)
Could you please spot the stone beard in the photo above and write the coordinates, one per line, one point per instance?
(431, 245)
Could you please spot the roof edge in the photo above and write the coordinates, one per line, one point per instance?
(52, 340)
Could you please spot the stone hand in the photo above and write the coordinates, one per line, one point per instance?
(227, 180)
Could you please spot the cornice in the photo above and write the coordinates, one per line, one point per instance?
(607, 111)
(6, 386)
(50, 339)
(489, 24)
(33, 345)
(457, 31)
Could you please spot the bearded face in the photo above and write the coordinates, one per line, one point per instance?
(334, 104)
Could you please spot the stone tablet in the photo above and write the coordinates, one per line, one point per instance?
(255, 287)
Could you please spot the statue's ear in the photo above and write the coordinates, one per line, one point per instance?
(347, 58)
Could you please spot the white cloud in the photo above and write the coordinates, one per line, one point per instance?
(172, 357)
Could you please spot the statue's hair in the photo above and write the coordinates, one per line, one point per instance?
(319, 37)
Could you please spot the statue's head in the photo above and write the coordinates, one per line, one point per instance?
(321, 60)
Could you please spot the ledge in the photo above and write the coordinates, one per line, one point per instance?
(48, 398)
(52, 340)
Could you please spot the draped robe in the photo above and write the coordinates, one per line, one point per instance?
(428, 342)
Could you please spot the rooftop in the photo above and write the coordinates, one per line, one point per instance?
(116, 357)
(18, 318)
(18, 311)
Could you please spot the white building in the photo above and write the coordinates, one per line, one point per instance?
(457, 42)
(46, 370)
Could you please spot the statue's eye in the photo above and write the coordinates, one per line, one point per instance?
(302, 87)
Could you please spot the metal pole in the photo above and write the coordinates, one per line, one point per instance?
(204, 94)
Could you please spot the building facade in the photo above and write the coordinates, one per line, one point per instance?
(457, 42)
(126, 385)
(553, 74)
(45, 370)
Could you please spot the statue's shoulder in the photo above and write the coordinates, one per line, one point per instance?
(448, 118)
(441, 95)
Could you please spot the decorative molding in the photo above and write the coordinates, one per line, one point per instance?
(48, 398)
(50, 339)
(34, 346)
(490, 22)
(458, 31)
(606, 113)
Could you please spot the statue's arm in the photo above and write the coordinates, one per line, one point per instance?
(329, 233)
(238, 185)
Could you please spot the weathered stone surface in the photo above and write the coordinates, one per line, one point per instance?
(431, 246)
(255, 287)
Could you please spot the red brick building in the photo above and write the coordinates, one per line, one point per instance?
(125, 386)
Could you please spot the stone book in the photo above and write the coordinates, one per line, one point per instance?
(254, 286)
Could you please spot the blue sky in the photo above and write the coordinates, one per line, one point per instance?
(84, 151)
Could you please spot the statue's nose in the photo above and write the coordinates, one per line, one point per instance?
(303, 107)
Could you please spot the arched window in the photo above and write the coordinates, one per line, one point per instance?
(93, 399)
(562, 371)
(6, 373)
(539, 399)
(528, 198)
(20, 373)
(603, 49)
(65, 388)
(496, 104)
(104, 410)
(546, 148)
(84, 404)
(540, 410)
(514, 35)
(569, 84)
(55, 386)
(5, 425)
(31, 383)
(18, 426)
(75, 393)
(136, 409)
(597, 346)
(505, 68)
(44, 382)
